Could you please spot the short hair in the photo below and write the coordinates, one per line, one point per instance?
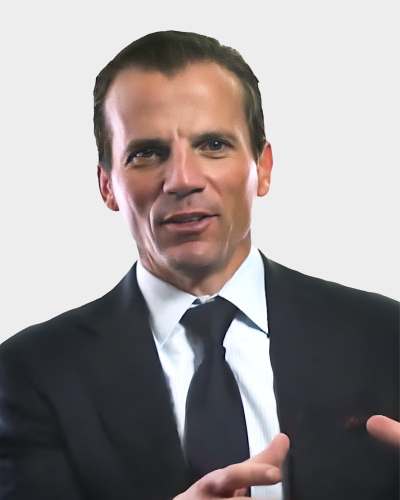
(169, 52)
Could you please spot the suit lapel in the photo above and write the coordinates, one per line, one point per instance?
(320, 349)
(282, 322)
(297, 331)
(131, 393)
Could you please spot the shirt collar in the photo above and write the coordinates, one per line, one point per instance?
(167, 304)
(246, 289)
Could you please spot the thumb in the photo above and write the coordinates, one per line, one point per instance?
(385, 429)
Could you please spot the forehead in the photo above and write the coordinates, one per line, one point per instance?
(200, 95)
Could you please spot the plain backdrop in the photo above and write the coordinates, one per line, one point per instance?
(329, 73)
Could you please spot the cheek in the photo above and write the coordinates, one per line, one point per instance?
(243, 190)
(134, 200)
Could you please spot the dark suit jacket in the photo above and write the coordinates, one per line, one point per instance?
(85, 412)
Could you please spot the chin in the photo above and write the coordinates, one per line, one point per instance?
(194, 258)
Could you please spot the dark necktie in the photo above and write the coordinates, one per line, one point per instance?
(215, 427)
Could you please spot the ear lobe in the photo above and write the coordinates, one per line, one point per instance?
(105, 187)
(264, 168)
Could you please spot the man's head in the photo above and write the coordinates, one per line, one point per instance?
(169, 52)
(179, 157)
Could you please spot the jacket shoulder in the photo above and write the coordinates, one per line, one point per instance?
(319, 293)
(73, 327)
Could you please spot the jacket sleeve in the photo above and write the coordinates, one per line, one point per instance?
(34, 463)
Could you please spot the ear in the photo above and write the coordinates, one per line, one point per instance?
(105, 186)
(264, 168)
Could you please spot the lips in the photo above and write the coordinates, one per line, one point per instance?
(186, 217)
(188, 224)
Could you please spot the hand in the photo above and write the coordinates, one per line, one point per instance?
(385, 429)
(233, 480)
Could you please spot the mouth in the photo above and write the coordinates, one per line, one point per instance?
(186, 217)
(188, 221)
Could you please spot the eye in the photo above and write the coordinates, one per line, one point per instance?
(145, 156)
(214, 145)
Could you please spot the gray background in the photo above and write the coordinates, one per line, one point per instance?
(330, 83)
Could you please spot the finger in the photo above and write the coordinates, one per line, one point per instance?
(385, 429)
(237, 476)
(240, 492)
(275, 453)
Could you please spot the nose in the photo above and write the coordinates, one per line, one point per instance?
(183, 174)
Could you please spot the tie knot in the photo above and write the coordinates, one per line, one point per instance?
(210, 321)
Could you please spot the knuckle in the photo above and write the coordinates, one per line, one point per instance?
(218, 479)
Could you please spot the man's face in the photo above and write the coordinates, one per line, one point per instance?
(183, 174)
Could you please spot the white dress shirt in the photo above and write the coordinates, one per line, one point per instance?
(246, 343)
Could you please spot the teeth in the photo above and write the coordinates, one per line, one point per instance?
(191, 219)
(195, 218)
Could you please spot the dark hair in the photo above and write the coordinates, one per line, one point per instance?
(169, 52)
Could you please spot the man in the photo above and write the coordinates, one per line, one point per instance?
(103, 401)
